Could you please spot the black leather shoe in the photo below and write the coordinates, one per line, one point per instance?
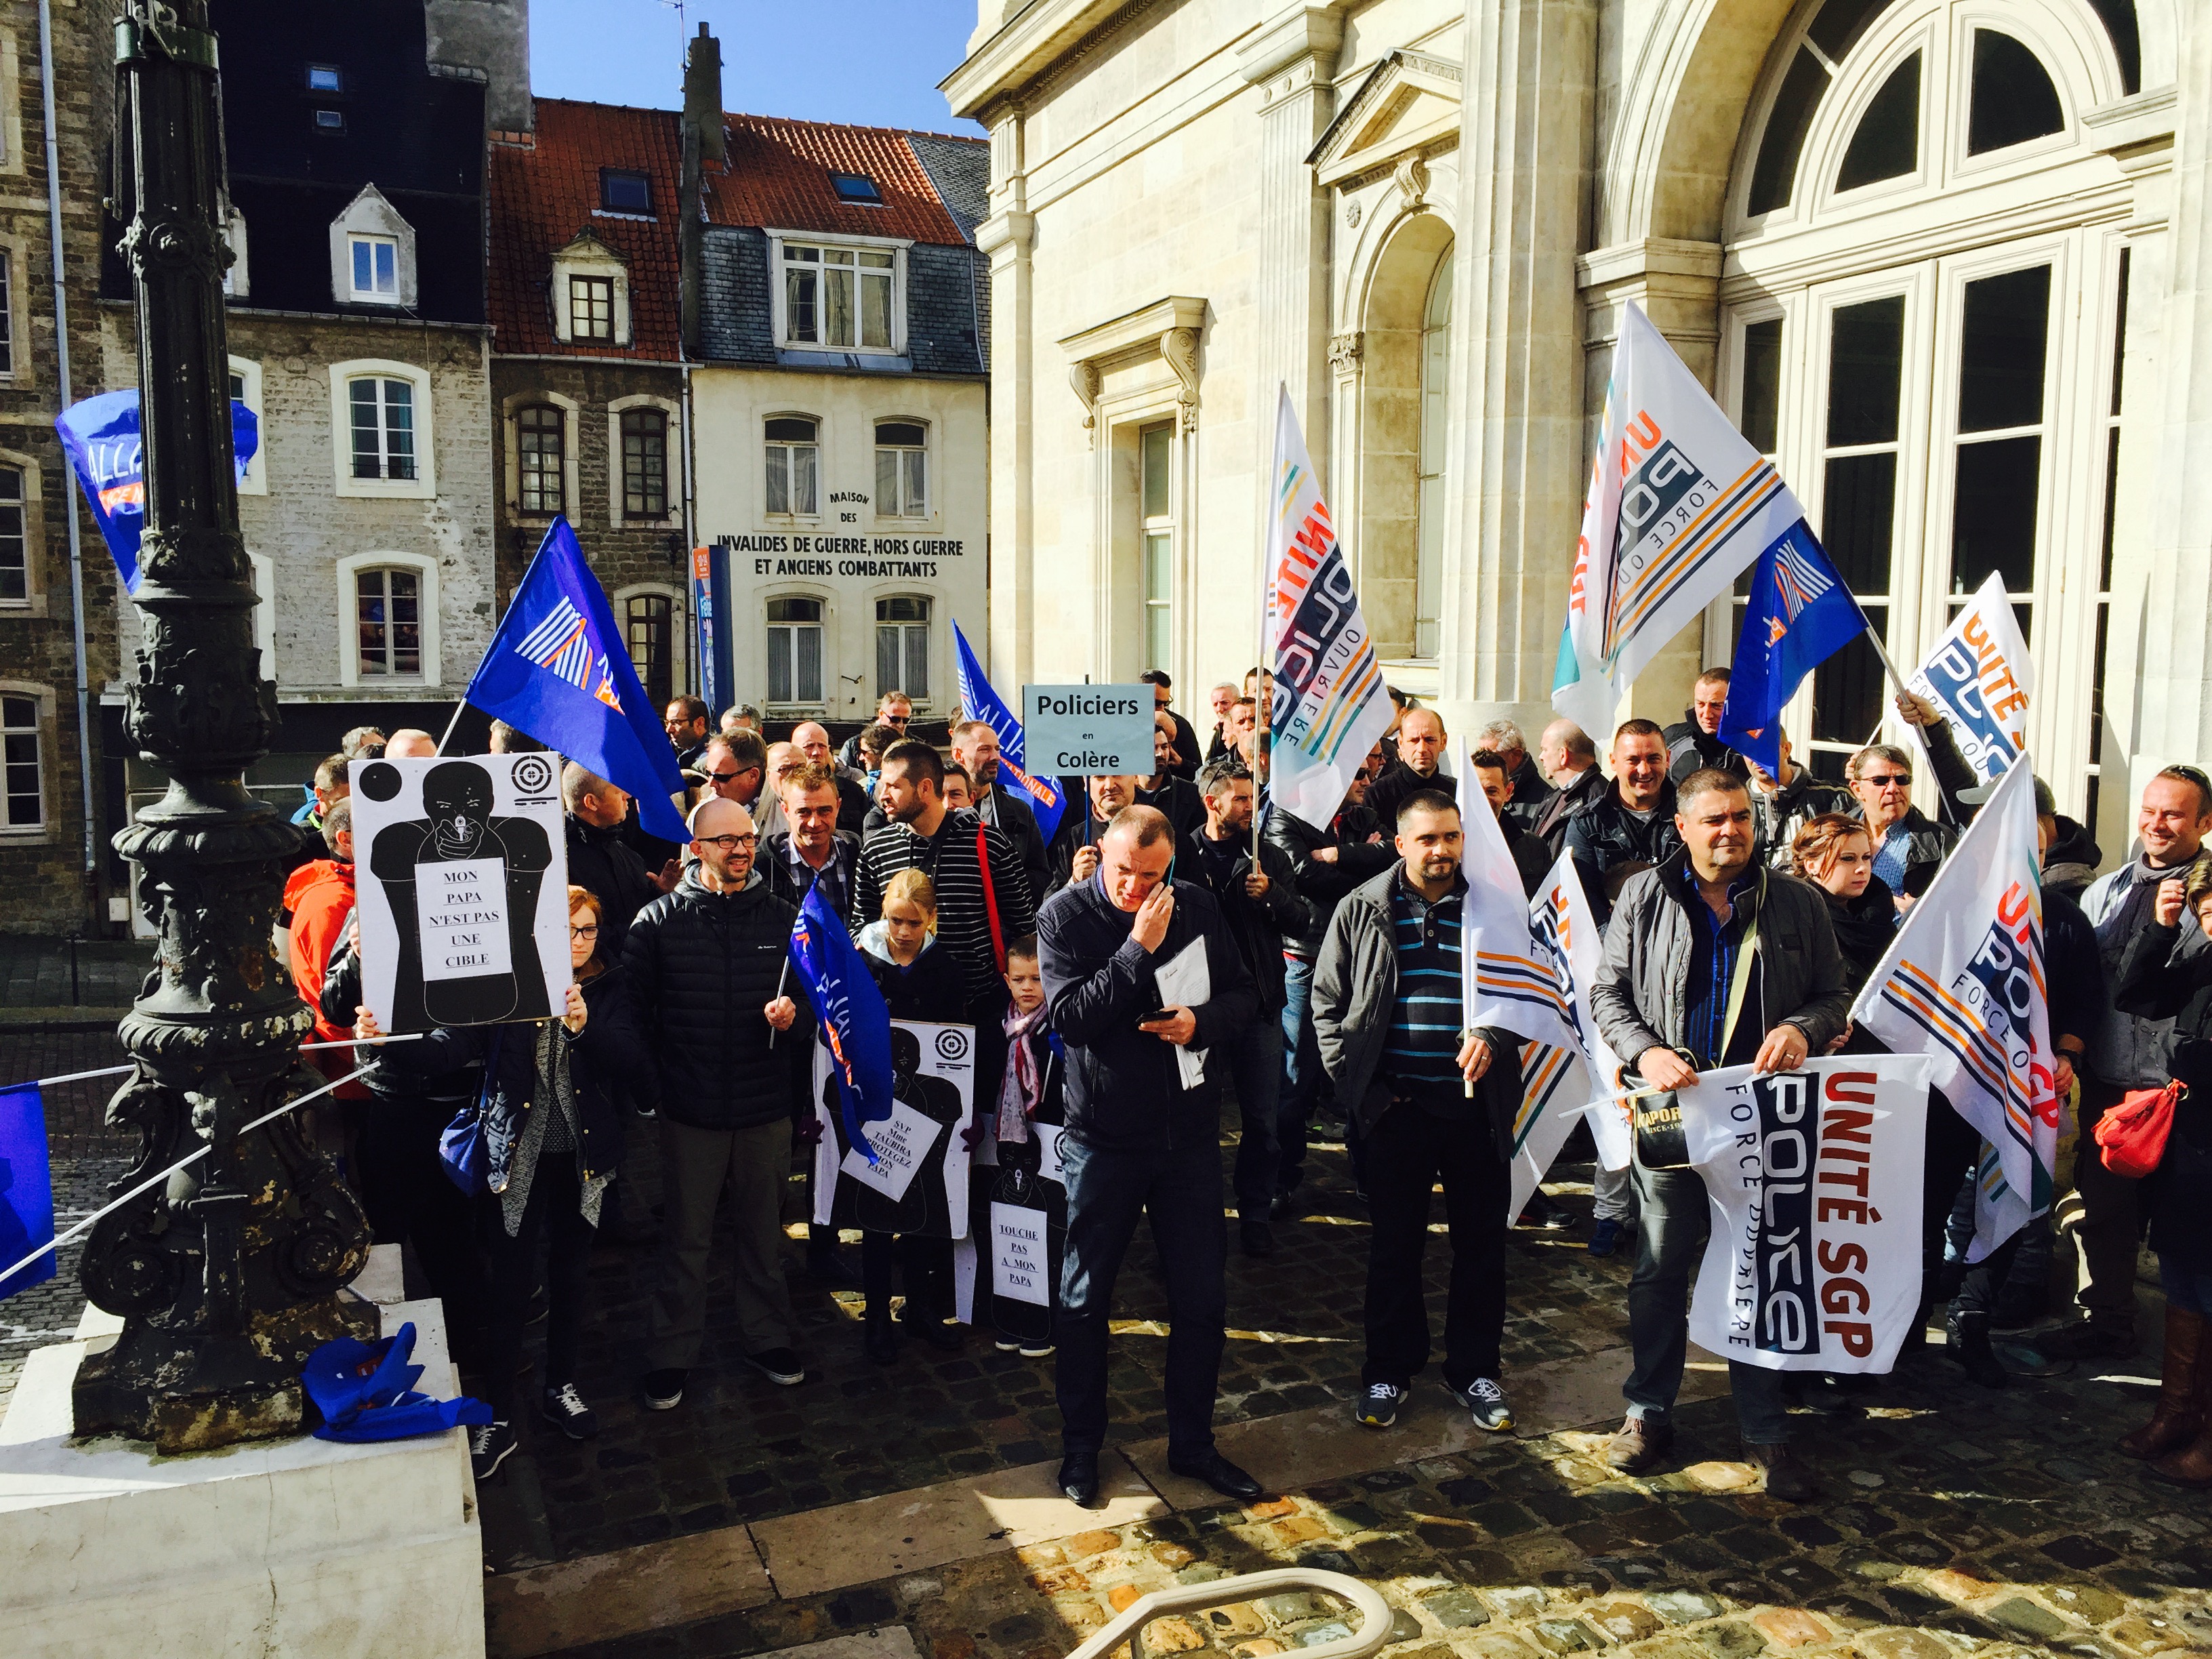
(1218, 1473)
(1079, 1477)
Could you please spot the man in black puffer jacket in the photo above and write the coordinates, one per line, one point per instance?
(1693, 742)
(706, 964)
(1631, 827)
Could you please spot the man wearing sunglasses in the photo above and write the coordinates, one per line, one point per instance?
(705, 968)
(1908, 846)
(734, 767)
(894, 709)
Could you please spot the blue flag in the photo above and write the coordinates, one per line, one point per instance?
(101, 436)
(26, 1189)
(1801, 614)
(978, 702)
(556, 669)
(849, 1007)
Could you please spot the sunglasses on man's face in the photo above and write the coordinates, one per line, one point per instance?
(729, 777)
(1902, 780)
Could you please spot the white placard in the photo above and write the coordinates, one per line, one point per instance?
(1070, 730)
(462, 880)
(1050, 1167)
(902, 1142)
(1021, 1262)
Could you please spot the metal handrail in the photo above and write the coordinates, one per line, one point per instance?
(1375, 1615)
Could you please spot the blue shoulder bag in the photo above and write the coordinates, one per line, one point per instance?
(461, 1142)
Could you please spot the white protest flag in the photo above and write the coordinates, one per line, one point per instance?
(1981, 676)
(1511, 979)
(1814, 1176)
(1679, 505)
(1963, 983)
(1330, 705)
(1557, 1083)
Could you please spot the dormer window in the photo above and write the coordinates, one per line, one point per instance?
(376, 269)
(371, 253)
(590, 294)
(843, 299)
(857, 188)
(622, 190)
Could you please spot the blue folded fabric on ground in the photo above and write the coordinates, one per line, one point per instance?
(365, 1392)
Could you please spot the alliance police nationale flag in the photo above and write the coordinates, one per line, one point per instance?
(1963, 983)
(1981, 676)
(1814, 1180)
(1330, 705)
(558, 670)
(101, 437)
(979, 701)
(850, 1013)
(27, 1191)
(1679, 505)
(1800, 615)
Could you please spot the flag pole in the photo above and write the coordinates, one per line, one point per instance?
(1262, 703)
(451, 724)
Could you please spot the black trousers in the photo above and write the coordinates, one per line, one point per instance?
(926, 1264)
(1408, 1152)
(1955, 1150)
(410, 1199)
(553, 1219)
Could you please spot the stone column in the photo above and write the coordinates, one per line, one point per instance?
(1005, 239)
(1290, 60)
(1517, 405)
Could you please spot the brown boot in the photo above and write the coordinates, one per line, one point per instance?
(2191, 1466)
(1787, 1479)
(2180, 1411)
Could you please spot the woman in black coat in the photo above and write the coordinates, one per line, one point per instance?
(1835, 854)
(552, 1133)
(2159, 981)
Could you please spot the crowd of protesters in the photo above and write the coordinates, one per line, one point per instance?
(1741, 912)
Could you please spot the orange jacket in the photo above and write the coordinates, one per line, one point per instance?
(319, 895)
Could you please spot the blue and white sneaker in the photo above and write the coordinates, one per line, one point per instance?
(1486, 1400)
(1378, 1404)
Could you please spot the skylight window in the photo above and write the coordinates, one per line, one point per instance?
(624, 190)
(857, 187)
(325, 78)
(330, 120)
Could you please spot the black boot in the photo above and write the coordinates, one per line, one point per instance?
(1968, 1342)
(879, 1338)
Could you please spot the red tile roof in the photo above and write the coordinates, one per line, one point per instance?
(778, 178)
(543, 195)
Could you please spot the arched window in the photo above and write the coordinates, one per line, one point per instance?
(901, 470)
(794, 466)
(1436, 379)
(388, 622)
(540, 447)
(903, 646)
(23, 763)
(795, 650)
(15, 547)
(1921, 243)
(649, 630)
(645, 463)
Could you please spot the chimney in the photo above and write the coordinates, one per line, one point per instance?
(703, 143)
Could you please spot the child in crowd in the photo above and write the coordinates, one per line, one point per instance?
(1027, 1198)
(920, 981)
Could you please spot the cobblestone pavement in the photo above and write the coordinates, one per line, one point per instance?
(740, 1449)
(1952, 1522)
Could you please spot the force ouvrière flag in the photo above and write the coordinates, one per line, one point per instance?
(1814, 1177)
(1981, 676)
(979, 700)
(1330, 705)
(1963, 983)
(1679, 504)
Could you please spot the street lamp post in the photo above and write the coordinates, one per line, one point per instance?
(228, 1275)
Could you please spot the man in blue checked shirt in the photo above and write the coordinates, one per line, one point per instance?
(1434, 1104)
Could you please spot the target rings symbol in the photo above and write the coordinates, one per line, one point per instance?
(953, 1045)
(533, 774)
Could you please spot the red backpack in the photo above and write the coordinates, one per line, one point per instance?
(2132, 1136)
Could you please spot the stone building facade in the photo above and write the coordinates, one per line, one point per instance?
(1947, 262)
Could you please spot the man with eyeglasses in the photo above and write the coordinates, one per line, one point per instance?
(811, 740)
(2126, 1052)
(975, 746)
(1908, 846)
(685, 719)
(894, 709)
(705, 968)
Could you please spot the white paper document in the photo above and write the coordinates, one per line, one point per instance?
(902, 1142)
(1184, 983)
(1022, 1268)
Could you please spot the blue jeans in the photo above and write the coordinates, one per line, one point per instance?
(1670, 1241)
(1304, 1080)
(2188, 1284)
(1180, 1190)
(1254, 1057)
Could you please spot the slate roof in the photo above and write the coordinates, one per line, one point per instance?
(543, 196)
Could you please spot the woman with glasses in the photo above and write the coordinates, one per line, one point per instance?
(552, 1138)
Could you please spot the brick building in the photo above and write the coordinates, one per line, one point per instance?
(357, 139)
(586, 373)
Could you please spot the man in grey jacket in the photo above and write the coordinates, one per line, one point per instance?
(2126, 1052)
(1435, 1103)
(1670, 1000)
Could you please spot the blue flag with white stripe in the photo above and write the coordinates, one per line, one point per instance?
(100, 436)
(1801, 614)
(849, 1012)
(978, 702)
(556, 669)
(27, 1190)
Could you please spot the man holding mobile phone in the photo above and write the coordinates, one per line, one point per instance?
(1140, 1140)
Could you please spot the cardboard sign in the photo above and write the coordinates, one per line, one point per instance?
(1072, 730)
(900, 1143)
(461, 881)
(920, 1182)
(1021, 1263)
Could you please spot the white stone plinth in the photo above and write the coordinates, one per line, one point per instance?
(301, 1547)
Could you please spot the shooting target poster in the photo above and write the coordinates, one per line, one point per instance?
(919, 1182)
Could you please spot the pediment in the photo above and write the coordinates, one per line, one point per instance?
(588, 250)
(1408, 102)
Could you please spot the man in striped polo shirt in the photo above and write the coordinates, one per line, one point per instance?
(983, 901)
(1435, 1103)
